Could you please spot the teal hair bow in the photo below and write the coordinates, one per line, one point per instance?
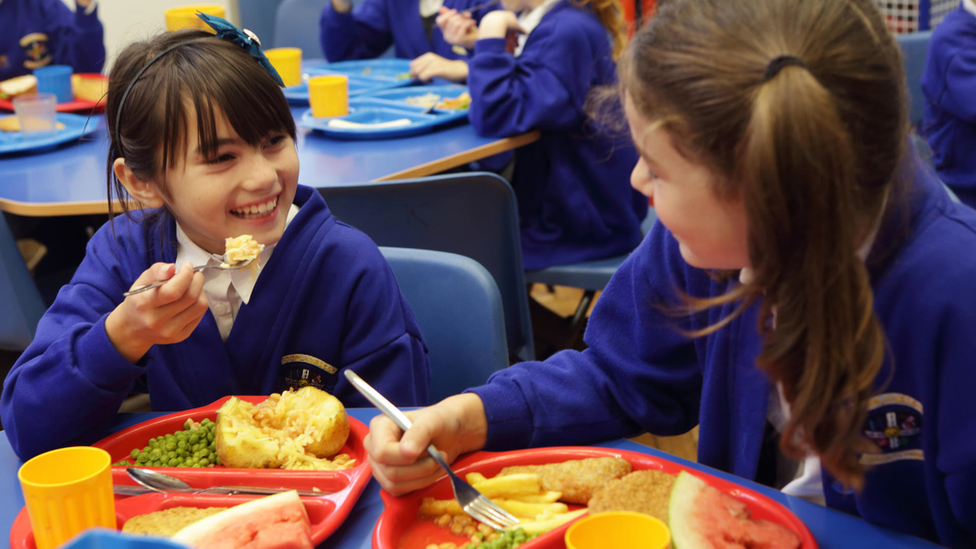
(245, 39)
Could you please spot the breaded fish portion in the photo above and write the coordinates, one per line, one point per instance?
(645, 492)
(577, 479)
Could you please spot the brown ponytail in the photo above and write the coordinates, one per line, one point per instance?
(811, 152)
(610, 14)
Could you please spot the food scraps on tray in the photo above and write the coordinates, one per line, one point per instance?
(431, 99)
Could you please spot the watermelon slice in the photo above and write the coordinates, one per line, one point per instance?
(702, 517)
(273, 522)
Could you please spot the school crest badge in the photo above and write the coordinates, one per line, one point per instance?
(36, 51)
(298, 370)
(895, 425)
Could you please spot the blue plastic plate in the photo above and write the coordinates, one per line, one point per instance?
(386, 107)
(365, 76)
(75, 126)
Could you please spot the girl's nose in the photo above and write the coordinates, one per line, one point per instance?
(263, 173)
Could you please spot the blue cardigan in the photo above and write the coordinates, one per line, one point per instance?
(640, 374)
(573, 185)
(326, 300)
(949, 85)
(372, 26)
(37, 33)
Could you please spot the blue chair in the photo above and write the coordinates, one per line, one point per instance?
(258, 16)
(459, 311)
(296, 25)
(471, 214)
(914, 49)
(21, 301)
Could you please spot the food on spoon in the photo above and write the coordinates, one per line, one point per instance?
(294, 430)
(577, 479)
(702, 517)
(18, 85)
(192, 446)
(276, 521)
(168, 521)
(645, 492)
(12, 124)
(89, 88)
(239, 249)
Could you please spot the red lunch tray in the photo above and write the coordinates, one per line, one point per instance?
(401, 512)
(340, 489)
(78, 105)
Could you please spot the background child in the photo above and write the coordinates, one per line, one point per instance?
(949, 85)
(574, 202)
(828, 276)
(37, 33)
(205, 138)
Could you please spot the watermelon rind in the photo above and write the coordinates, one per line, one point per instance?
(686, 528)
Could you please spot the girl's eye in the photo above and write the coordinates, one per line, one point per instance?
(220, 159)
(275, 140)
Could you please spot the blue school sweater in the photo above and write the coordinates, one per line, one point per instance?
(573, 185)
(640, 374)
(949, 85)
(326, 300)
(371, 27)
(37, 33)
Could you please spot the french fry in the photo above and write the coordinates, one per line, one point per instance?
(475, 478)
(510, 485)
(545, 497)
(530, 510)
(430, 507)
(541, 526)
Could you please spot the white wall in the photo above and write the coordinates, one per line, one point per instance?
(125, 21)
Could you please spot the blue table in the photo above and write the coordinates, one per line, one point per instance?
(70, 180)
(833, 530)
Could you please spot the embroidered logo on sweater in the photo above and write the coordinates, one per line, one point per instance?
(299, 371)
(895, 425)
(36, 53)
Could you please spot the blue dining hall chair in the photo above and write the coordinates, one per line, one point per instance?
(459, 311)
(914, 48)
(20, 300)
(470, 214)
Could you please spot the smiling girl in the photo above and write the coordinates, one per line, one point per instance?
(202, 139)
(808, 297)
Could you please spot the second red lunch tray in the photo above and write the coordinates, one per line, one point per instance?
(401, 512)
(341, 489)
(82, 106)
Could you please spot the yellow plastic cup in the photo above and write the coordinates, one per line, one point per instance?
(185, 17)
(328, 95)
(618, 530)
(68, 491)
(288, 63)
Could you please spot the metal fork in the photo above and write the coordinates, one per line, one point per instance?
(196, 269)
(472, 501)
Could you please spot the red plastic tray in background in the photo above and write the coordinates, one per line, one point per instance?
(80, 106)
(342, 488)
(401, 512)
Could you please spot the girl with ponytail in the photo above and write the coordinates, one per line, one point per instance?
(573, 197)
(808, 296)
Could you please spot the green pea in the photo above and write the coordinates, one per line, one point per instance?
(204, 462)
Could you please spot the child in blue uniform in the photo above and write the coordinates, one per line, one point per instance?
(574, 201)
(37, 33)
(204, 139)
(808, 277)
(410, 25)
(949, 85)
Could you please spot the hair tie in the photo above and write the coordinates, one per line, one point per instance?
(777, 64)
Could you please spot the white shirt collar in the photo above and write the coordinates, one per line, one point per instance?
(529, 20)
(243, 280)
(970, 6)
(430, 7)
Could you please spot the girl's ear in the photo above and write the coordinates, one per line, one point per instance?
(146, 192)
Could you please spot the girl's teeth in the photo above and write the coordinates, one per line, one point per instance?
(257, 210)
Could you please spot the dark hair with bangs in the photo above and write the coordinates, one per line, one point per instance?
(202, 72)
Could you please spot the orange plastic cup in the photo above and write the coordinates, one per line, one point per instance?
(328, 95)
(68, 491)
(185, 17)
(618, 530)
(288, 63)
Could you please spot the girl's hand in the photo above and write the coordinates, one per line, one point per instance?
(497, 24)
(168, 314)
(429, 65)
(457, 27)
(342, 6)
(400, 462)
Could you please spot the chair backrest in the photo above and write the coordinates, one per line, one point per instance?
(296, 25)
(472, 214)
(20, 299)
(914, 48)
(258, 16)
(459, 311)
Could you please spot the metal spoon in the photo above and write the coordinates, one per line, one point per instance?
(161, 482)
(158, 283)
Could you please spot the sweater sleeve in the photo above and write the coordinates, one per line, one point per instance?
(544, 88)
(77, 38)
(363, 33)
(958, 96)
(638, 373)
(71, 377)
